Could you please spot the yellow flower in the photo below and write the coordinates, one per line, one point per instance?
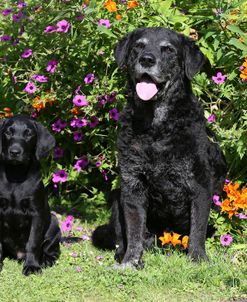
(185, 241)
(111, 6)
(175, 240)
(132, 4)
(166, 238)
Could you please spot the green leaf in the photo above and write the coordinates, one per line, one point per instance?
(235, 42)
(106, 31)
(235, 29)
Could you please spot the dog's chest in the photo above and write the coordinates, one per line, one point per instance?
(15, 199)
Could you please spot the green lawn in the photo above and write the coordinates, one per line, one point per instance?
(80, 276)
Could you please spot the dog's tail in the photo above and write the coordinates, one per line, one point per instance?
(104, 237)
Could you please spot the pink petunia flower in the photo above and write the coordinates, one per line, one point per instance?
(63, 26)
(58, 125)
(30, 88)
(219, 78)
(7, 11)
(27, 53)
(5, 38)
(77, 136)
(49, 29)
(51, 66)
(59, 176)
(211, 118)
(89, 78)
(226, 240)
(80, 100)
(104, 22)
(40, 78)
(81, 163)
(216, 200)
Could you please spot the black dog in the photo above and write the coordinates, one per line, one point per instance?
(28, 231)
(169, 167)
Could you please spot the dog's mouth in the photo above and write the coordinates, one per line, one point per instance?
(146, 87)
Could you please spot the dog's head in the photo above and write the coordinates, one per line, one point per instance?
(22, 139)
(155, 58)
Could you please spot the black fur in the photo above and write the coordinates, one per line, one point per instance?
(169, 167)
(28, 231)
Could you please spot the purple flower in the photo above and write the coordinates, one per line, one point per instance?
(58, 153)
(30, 87)
(7, 11)
(89, 78)
(67, 224)
(27, 53)
(104, 175)
(78, 269)
(63, 26)
(100, 52)
(81, 163)
(80, 100)
(81, 123)
(241, 216)
(51, 66)
(73, 122)
(80, 17)
(211, 118)
(58, 125)
(94, 122)
(17, 18)
(112, 96)
(77, 136)
(216, 200)
(218, 11)
(5, 38)
(114, 114)
(77, 89)
(49, 29)
(104, 22)
(85, 237)
(34, 114)
(226, 240)
(98, 163)
(59, 176)
(227, 181)
(219, 78)
(40, 78)
(15, 42)
(74, 255)
(98, 258)
(102, 100)
(21, 4)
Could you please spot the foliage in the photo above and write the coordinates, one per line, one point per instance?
(57, 65)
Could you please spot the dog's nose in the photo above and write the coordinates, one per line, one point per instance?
(15, 152)
(147, 60)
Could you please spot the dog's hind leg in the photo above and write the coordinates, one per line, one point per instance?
(51, 248)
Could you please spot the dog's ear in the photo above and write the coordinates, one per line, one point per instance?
(194, 59)
(2, 122)
(121, 51)
(45, 141)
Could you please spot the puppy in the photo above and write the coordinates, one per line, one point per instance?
(28, 231)
(169, 168)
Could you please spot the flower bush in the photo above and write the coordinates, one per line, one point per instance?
(57, 65)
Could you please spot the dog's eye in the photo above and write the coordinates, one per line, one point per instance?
(139, 45)
(8, 132)
(28, 133)
(167, 49)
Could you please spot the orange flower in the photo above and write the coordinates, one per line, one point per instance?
(7, 109)
(175, 240)
(185, 241)
(118, 17)
(38, 104)
(132, 4)
(166, 238)
(8, 114)
(111, 6)
(75, 110)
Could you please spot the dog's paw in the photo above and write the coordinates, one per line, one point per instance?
(133, 264)
(198, 255)
(31, 269)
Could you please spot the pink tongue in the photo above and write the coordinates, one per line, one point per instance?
(146, 90)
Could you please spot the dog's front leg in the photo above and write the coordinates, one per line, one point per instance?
(33, 247)
(134, 205)
(200, 209)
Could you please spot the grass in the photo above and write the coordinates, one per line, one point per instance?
(84, 273)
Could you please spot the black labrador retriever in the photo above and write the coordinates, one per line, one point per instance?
(28, 231)
(169, 166)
